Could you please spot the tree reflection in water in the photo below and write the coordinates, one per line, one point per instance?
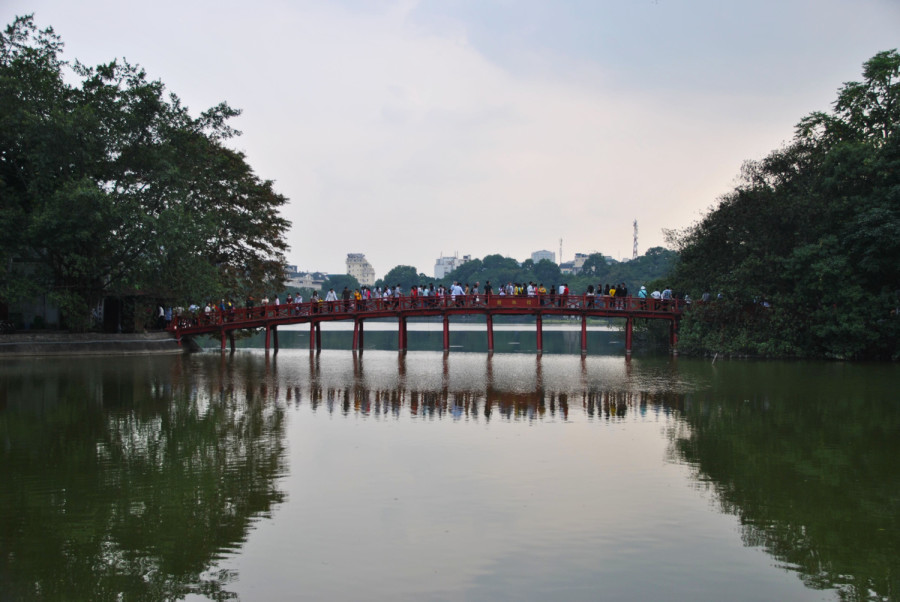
(130, 480)
(807, 461)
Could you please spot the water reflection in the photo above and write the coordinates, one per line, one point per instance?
(130, 476)
(145, 477)
(805, 455)
(479, 390)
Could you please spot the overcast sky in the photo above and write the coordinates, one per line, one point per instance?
(410, 129)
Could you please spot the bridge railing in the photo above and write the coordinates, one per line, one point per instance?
(423, 304)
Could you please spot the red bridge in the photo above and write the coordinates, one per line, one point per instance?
(270, 317)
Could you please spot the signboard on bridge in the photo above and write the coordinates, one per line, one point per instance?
(514, 302)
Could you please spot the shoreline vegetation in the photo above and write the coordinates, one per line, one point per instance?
(802, 258)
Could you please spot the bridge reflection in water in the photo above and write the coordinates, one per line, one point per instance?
(270, 317)
(478, 397)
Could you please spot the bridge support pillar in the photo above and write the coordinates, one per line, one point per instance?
(584, 334)
(357, 333)
(540, 334)
(268, 330)
(275, 338)
(223, 340)
(490, 332)
(446, 333)
(231, 339)
(315, 335)
(401, 334)
(628, 333)
(673, 337)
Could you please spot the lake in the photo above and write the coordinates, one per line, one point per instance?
(448, 476)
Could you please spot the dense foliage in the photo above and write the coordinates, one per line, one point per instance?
(109, 187)
(805, 251)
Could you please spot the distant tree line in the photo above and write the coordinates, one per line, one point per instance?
(597, 269)
(109, 187)
(805, 251)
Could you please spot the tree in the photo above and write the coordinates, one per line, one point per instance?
(111, 187)
(404, 275)
(470, 272)
(339, 281)
(594, 265)
(547, 272)
(499, 269)
(812, 234)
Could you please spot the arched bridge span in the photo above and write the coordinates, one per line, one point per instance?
(270, 317)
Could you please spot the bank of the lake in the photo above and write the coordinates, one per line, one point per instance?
(37, 343)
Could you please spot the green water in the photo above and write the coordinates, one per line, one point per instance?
(461, 476)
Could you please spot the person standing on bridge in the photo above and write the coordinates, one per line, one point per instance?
(456, 293)
(330, 299)
(666, 297)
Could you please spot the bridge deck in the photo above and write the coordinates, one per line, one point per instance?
(403, 308)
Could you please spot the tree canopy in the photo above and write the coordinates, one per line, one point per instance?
(339, 281)
(656, 263)
(110, 187)
(404, 275)
(806, 249)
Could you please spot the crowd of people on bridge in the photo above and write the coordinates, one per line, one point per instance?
(610, 296)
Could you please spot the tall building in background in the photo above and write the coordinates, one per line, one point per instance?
(539, 255)
(360, 268)
(445, 265)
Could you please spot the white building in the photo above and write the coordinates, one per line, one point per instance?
(580, 258)
(361, 269)
(541, 255)
(295, 279)
(445, 265)
(574, 267)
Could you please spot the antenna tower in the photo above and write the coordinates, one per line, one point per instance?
(560, 252)
(634, 253)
